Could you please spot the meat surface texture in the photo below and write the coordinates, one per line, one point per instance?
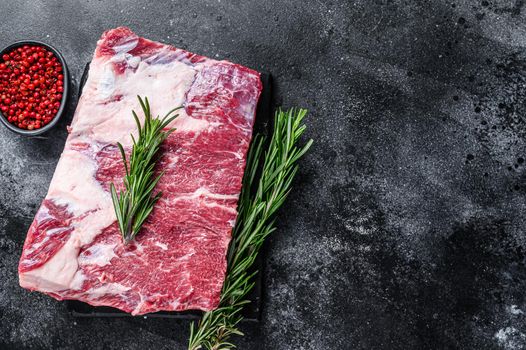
(74, 250)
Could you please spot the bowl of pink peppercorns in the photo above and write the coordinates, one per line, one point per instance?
(34, 84)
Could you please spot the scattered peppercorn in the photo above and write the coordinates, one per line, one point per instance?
(31, 86)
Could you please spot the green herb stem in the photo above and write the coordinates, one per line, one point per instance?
(258, 203)
(134, 204)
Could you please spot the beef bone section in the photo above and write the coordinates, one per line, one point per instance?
(74, 250)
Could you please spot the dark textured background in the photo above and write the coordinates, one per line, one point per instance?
(406, 226)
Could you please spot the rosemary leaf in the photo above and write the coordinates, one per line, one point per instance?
(258, 203)
(134, 204)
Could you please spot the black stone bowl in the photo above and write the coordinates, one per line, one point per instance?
(65, 93)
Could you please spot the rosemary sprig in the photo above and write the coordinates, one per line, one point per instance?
(135, 203)
(255, 222)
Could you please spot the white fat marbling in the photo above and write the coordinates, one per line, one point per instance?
(74, 184)
(184, 123)
(217, 205)
(161, 245)
(57, 274)
(127, 46)
(99, 254)
(60, 272)
(109, 98)
(108, 288)
(75, 187)
(204, 192)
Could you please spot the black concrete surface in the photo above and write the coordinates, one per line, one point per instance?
(406, 226)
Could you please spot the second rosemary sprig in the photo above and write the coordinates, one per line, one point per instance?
(134, 204)
(260, 198)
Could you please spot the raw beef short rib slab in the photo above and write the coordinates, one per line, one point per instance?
(73, 249)
(251, 312)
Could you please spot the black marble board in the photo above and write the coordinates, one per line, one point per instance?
(252, 311)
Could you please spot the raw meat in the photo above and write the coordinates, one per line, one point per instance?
(73, 248)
